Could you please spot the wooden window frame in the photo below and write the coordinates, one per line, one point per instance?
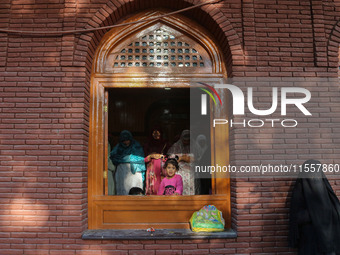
(140, 212)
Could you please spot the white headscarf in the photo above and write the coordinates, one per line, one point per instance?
(200, 147)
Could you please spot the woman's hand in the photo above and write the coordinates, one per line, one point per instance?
(185, 158)
(155, 156)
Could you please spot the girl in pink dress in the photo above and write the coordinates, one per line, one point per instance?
(172, 184)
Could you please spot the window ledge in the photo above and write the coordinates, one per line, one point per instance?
(158, 234)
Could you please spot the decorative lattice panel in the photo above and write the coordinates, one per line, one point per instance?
(160, 48)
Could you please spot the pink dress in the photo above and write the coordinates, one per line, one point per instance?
(171, 186)
(154, 174)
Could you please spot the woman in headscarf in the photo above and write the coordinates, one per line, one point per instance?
(156, 142)
(202, 158)
(200, 148)
(182, 149)
(128, 157)
(154, 148)
(314, 213)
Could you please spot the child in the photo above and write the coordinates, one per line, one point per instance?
(136, 191)
(172, 184)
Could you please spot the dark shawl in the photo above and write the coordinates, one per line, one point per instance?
(314, 214)
(156, 146)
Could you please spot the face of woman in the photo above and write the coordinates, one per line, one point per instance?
(127, 143)
(156, 135)
(170, 170)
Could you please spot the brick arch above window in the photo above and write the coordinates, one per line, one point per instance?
(333, 48)
(166, 45)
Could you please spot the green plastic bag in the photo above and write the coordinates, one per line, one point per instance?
(207, 219)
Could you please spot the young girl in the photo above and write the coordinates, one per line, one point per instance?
(172, 184)
(182, 149)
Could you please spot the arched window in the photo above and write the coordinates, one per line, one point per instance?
(133, 67)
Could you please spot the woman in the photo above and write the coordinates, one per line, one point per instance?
(202, 158)
(156, 142)
(182, 149)
(154, 148)
(314, 213)
(128, 157)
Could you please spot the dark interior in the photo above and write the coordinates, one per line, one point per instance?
(140, 109)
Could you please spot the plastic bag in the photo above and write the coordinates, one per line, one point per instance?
(207, 219)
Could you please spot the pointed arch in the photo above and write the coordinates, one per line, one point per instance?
(210, 17)
(333, 47)
(173, 46)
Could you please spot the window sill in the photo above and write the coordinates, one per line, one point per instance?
(158, 234)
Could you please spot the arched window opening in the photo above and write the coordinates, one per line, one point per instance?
(141, 78)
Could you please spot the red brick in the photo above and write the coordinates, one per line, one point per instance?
(168, 252)
(157, 246)
(88, 252)
(211, 246)
(141, 252)
(223, 251)
(168, 241)
(192, 252)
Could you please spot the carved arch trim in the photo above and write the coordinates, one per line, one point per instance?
(116, 39)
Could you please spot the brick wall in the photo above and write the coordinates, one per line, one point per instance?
(44, 109)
